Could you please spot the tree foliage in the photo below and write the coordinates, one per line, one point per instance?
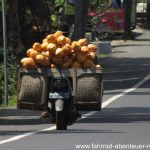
(26, 23)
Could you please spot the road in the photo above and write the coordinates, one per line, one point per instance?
(123, 122)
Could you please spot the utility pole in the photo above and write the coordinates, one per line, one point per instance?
(5, 53)
(81, 10)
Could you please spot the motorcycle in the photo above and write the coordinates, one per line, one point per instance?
(97, 24)
(61, 105)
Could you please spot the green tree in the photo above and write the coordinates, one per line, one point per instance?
(28, 21)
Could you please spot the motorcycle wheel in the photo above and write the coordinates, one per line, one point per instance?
(60, 121)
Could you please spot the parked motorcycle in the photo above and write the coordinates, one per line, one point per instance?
(97, 24)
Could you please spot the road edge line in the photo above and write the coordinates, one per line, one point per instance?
(114, 98)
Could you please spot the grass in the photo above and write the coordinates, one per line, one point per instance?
(2, 106)
(12, 80)
(103, 55)
(11, 102)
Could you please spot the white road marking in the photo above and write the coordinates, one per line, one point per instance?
(87, 115)
(126, 71)
(18, 137)
(104, 104)
(121, 80)
(18, 117)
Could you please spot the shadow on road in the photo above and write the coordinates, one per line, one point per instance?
(21, 117)
(70, 131)
(14, 132)
(142, 40)
(132, 45)
(23, 121)
(120, 115)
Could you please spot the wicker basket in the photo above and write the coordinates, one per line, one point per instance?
(32, 90)
(89, 91)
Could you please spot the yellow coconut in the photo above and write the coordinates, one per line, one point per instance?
(76, 64)
(68, 41)
(57, 34)
(92, 48)
(57, 61)
(37, 46)
(40, 58)
(45, 62)
(76, 46)
(91, 56)
(51, 47)
(29, 51)
(33, 53)
(67, 49)
(84, 49)
(59, 52)
(81, 58)
(74, 56)
(28, 62)
(47, 53)
(44, 46)
(83, 42)
(88, 64)
(45, 40)
(61, 40)
(51, 38)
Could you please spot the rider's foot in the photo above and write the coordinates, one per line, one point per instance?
(44, 114)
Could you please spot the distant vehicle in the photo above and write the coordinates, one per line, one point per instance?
(141, 7)
(141, 12)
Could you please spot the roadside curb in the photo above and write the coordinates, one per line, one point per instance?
(115, 43)
(137, 31)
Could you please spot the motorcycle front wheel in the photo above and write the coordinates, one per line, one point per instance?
(60, 115)
(60, 121)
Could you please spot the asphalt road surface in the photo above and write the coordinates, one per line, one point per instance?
(123, 123)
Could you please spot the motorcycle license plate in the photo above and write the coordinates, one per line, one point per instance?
(58, 95)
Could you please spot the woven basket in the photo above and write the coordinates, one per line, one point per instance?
(89, 92)
(32, 91)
